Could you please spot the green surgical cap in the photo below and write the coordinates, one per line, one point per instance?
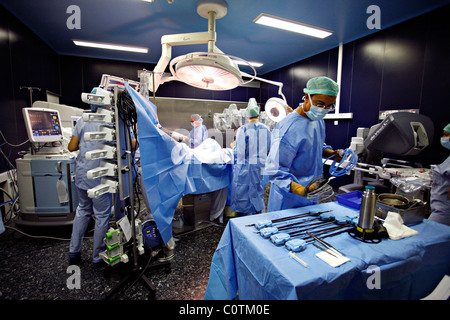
(322, 85)
(447, 128)
(252, 111)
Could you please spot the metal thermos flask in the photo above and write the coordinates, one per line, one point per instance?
(367, 209)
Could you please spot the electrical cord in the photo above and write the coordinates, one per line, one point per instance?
(10, 144)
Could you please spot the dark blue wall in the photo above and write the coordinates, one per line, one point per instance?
(25, 61)
(402, 67)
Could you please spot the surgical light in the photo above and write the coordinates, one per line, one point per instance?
(211, 70)
(207, 71)
(290, 25)
(276, 109)
(109, 46)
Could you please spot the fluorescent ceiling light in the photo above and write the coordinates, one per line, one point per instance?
(255, 64)
(110, 46)
(294, 26)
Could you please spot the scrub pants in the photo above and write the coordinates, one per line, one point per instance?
(101, 206)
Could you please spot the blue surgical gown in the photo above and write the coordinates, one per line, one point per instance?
(252, 147)
(295, 155)
(197, 136)
(440, 203)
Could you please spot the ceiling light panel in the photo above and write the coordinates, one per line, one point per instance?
(110, 46)
(255, 64)
(290, 25)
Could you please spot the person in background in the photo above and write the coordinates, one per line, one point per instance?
(251, 149)
(298, 146)
(99, 206)
(198, 133)
(440, 189)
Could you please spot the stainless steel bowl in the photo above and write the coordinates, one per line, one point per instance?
(393, 200)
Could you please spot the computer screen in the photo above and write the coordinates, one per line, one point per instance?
(43, 125)
(401, 133)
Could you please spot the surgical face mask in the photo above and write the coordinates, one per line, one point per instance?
(195, 124)
(445, 141)
(315, 112)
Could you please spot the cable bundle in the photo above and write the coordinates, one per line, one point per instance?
(350, 156)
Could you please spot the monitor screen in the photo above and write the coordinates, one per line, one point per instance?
(401, 133)
(43, 125)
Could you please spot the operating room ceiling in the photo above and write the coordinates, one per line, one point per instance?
(140, 23)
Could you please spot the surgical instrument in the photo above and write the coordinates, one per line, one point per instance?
(279, 238)
(325, 244)
(300, 244)
(282, 238)
(325, 250)
(266, 232)
(267, 223)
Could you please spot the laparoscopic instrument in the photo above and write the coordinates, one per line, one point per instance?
(299, 244)
(325, 218)
(328, 246)
(282, 237)
(268, 223)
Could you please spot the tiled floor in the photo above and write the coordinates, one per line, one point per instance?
(36, 268)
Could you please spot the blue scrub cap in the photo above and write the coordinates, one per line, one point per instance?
(447, 128)
(322, 85)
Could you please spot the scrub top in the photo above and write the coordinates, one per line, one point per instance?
(295, 155)
(440, 202)
(83, 165)
(252, 147)
(197, 136)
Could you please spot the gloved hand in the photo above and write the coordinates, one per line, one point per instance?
(298, 189)
(313, 187)
(334, 154)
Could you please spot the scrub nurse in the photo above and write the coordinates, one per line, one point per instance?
(298, 146)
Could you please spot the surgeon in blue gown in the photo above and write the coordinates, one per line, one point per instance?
(440, 189)
(251, 149)
(298, 146)
(198, 133)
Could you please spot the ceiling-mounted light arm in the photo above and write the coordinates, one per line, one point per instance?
(275, 83)
(182, 39)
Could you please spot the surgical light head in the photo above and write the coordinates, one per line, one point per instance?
(276, 109)
(322, 85)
